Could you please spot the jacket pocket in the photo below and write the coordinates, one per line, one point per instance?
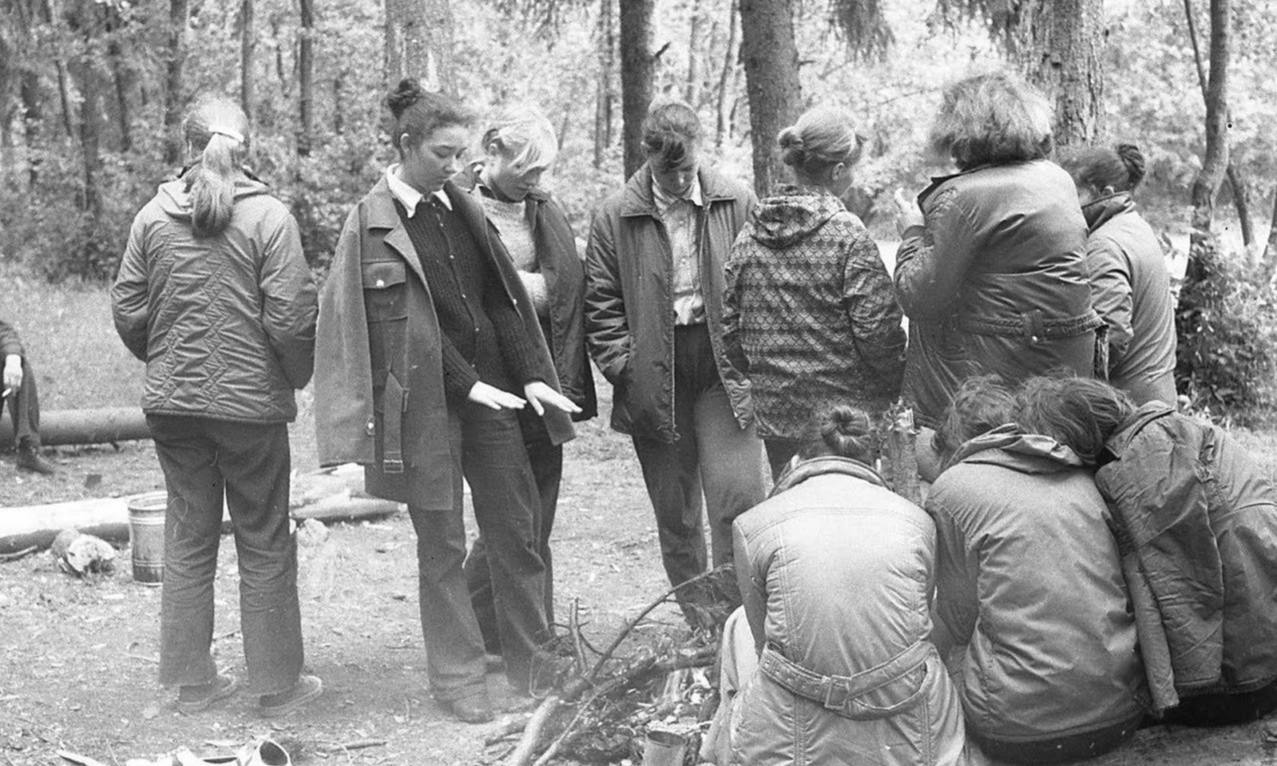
(384, 290)
(386, 305)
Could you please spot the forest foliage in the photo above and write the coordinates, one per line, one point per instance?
(84, 85)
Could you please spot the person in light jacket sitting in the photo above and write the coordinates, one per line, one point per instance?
(829, 660)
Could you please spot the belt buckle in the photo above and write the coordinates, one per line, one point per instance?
(390, 465)
(830, 683)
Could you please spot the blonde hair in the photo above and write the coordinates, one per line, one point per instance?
(823, 137)
(524, 136)
(992, 118)
(218, 129)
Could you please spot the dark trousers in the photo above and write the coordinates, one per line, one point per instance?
(779, 453)
(1224, 709)
(24, 409)
(1074, 747)
(546, 459)
(487, 448)
(205, 460)
(712, 452)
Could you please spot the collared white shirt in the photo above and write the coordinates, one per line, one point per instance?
(408, 196)
(681, 215)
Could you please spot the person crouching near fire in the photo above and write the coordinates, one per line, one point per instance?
(829, 661)
(1031, 608)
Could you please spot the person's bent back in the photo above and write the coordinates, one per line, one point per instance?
(836, 576)
(1030, 595)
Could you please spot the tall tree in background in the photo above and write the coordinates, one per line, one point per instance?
(247, 50)
(606, 94)
(174, 97)
(306, 78)
(770, 56)
(419, 43)
(637, 64)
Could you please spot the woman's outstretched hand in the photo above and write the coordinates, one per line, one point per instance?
(495, 398)
(907, 212)
(541, 395)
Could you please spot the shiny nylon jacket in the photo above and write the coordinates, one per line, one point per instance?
(225, 324)
(836, 575)
(994, 282)
(1201, 520)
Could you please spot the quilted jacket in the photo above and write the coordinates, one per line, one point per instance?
(994, 282)
(225, 324)
(809, 312)
(1200, 519)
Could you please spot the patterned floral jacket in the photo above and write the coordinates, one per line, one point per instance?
(809, 313)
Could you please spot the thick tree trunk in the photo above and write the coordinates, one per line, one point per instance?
(692, 89)
(306, 78)
(32, 119)
(771, 80)
(1059, 45)
(174, 98)
(730, 56)
(637, 65)
(605, 94)
(247, 54)
(419, 43)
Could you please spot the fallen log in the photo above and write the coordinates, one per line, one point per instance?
(105, 425)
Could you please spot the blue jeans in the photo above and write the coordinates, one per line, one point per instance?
(247, 463)
(487, 448)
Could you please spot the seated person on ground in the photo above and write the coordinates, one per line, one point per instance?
(1200, 553)
(24, 402)
(1031, 607)
(836, 578)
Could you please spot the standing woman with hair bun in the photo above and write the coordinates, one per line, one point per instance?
(426, 330)
(215, 296)
(1130, 282)
(809, 313)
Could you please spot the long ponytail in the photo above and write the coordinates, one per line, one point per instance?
(218, 130)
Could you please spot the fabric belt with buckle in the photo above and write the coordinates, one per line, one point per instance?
(847, 696)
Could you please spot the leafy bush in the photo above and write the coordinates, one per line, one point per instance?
(1227, 328)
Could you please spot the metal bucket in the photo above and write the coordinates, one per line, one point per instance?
(146, 536)
(664, 748)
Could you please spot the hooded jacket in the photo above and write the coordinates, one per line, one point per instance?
(836, 577)
(379, 394)
(994, 282)
(1200, 519)
(1131, 291)
(629, 317)
(809, 312)
(225, 324)
(1029, 579)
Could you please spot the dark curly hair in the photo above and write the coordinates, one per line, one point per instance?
(1120, 168)
(419, 112)
(1080, 413)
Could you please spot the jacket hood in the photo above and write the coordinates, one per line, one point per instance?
(175, 199)
(1147, 413)
(1009, 447)
(792, 214)
(1100, 211)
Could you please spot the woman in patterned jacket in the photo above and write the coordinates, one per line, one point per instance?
(809, 313)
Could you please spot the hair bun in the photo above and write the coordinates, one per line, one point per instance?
(790, 138)
(1133, 159)
(407, 93)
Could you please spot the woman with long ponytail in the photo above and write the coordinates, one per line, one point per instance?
(215, 296)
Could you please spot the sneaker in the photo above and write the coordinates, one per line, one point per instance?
(30, 459)
(193, 699)
(306, 689)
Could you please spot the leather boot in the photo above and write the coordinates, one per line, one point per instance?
(30, 459)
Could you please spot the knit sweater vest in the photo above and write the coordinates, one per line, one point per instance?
(484, 338)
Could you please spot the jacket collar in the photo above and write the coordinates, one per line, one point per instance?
(1102, 210)
(819, 466)
(1147, 413)
(638, 200)
(1009, 446)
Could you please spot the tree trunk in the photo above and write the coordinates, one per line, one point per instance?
(247, 49)
(1270, 248)
(692, 89)
(1058, 43)
(419, 43)
(637, 65)
(1241, 199)
(605, 95)
(174, 100)
(32, 120)
(339, 103)
(305, 78)
(730, 55)
(771, 80)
